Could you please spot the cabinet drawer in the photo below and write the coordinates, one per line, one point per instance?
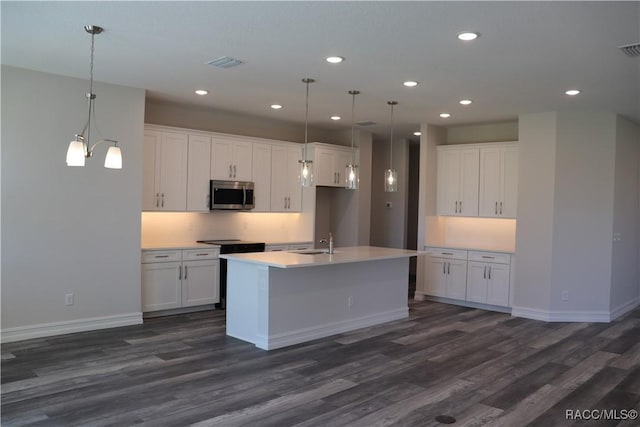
(196, 254)
(447, 253)
(276, 248)
(161, 256)
(495, 257)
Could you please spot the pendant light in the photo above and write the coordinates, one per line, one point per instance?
(391, 176)
(306, 166)
(81, 148)
(351, 171)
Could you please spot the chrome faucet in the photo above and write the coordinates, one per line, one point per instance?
(330, 243)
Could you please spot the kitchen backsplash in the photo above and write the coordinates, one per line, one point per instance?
(489, 233)
(184, 227)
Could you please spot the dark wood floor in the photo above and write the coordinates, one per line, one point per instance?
(480, 367)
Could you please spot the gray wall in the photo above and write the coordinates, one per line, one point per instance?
(68, 229)
(389, 225)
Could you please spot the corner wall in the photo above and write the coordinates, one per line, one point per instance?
(68, 229)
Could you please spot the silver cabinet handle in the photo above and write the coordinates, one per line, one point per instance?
(488, 257)
(285, 203)
(234, 171)
(444, 267)
(230, 172)
(496, 208)
(288, 202)
(500, 208)
(484, 276)
(446, 253)
(161, 256)
(162, 200)
(456, 206)
(185, 272)
(180, 273)
(489, 272)
(460, 210)
(157, 200)
(448, 268)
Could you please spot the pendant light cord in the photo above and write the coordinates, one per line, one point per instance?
(353, 123)
(306, 121)
(392, 103)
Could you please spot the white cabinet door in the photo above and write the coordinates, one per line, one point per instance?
(477, 282)
(221, 158)
(294, 155)
(242, 160)
(279, 176)
(150, 192)
(456, 279)
(436, 276)
(490, 182)
(173, 172)
(323, 168)
(200, 283)
(198, 173)
(161, 286)
(341, 160)
(165, 154)
(262, 177)
(457, 181)
(498, 284)
(231, 159)
(499, 181)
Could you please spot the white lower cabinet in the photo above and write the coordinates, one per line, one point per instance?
(447, 273)
(179, 278)
(479, 277)
(288, 247)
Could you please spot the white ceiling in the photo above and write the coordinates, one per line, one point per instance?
(528, 54)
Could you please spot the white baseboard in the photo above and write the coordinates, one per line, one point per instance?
(562, 316)
(625, 308)
(68, 327)
(307, 334)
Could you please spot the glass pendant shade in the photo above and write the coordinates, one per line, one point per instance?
(390, 181)
(75, 153)
(351, 177)
(305, 176)
(113, 159)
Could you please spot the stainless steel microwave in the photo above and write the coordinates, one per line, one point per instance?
(232, 195)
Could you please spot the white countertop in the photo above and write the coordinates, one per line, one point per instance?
(175, 246)
(293, 259)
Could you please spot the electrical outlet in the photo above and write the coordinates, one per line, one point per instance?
(349, 301)
(565, 295)
(68, 299)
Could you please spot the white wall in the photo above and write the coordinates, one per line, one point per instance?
(583, 211)
(536, 189)
(625, 277)
(68, 229)
(487, 132)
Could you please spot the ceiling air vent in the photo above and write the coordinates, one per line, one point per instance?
(631, 50)
(224, 62)
(367, 123)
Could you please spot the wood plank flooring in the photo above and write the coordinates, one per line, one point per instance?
(480, 367)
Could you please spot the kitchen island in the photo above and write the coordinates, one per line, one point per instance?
(277, 299)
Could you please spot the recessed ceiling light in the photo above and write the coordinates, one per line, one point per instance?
(418, 133)
(410, 83)
(276, 106)
(572, 92)
(334, 59)
(465, 101)
(467, 36)
(335, 117)
(201, 92)
(445, 115)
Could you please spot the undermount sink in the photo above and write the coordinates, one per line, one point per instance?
(312, 252)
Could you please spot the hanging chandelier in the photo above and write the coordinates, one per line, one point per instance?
(351, 170)
(391, 176)
(80, 148)
(306, 166)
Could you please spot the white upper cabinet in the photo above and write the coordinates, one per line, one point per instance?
(164, 171)
(262, 177)
(329, 165)
(478, 180)
(198, 172)
(499, 181)
(231, 159)
(286, 192)
(457, 181)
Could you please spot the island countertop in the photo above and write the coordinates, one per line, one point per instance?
(295, 259)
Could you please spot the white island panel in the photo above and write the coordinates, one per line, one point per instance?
(275, 307)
